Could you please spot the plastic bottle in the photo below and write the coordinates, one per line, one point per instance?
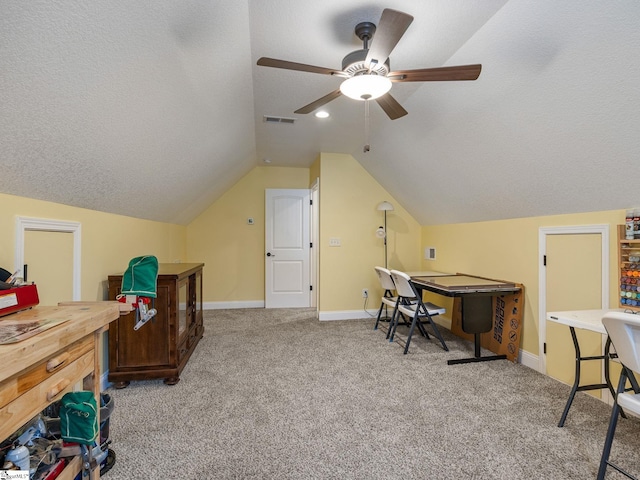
(636, 224)
(19, 456)
(629, 225)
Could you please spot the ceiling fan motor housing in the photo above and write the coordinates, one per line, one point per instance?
(354, 64)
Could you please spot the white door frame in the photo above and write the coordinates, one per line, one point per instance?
(603, 231)
(24, 224)
(315, 239)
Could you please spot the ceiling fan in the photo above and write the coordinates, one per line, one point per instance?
(367, 72)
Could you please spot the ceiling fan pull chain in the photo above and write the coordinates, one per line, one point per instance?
(366, 147)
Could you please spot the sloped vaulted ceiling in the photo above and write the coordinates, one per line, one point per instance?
(154, 108)
(140, 108)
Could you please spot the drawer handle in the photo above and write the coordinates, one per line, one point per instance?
(57, 388)
(57, 362)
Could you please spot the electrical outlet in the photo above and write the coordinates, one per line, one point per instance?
(365, 293)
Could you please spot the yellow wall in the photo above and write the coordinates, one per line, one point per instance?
(508, 250)
(349, 197)
(231, 249)
(314, 171)
(108, 241)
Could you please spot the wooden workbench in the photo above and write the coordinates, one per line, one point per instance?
(40, 369)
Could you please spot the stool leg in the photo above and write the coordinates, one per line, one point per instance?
(413, 326)
(423, 331)
(394, 321)
(604, 460)
(437, 333)
(375, 327)
(392, 324)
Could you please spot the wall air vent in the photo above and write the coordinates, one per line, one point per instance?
(430, 253)
(271, 119)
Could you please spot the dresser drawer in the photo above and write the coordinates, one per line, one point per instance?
(17, 409)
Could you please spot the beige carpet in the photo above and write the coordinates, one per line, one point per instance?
(275, 394)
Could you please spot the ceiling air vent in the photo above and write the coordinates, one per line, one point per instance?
(270, 119)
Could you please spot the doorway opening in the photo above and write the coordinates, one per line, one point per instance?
(24, 224)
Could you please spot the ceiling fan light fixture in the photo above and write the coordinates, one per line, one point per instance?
(365, 87)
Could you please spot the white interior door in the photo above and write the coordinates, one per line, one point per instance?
(49, 256)
(574, 282)
(287, 281)
(27, 225)
(576, 277)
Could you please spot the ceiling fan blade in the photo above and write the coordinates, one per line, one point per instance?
(391, 106)
(390, 29)
(462, 72)
(320, 102)
(275, 63)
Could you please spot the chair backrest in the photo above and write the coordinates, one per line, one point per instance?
(384, 276)
(624, 332)
(403, 287)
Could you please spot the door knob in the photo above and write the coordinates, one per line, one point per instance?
(269, 254)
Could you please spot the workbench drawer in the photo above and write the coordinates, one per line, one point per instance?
(24, 381)
(29, 403)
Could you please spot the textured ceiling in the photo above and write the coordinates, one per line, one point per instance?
(155, 108)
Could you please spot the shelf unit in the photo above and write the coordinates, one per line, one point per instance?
(629, 270)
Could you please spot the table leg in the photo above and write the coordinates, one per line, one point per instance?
(477, 357)
(576, 382)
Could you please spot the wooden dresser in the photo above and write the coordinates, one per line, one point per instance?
(39, 370)
(163, 345)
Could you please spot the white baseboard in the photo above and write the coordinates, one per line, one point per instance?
(229, 305)
(332, 315)
(528, 359)
(104, 381)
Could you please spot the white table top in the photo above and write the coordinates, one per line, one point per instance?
(584, 319)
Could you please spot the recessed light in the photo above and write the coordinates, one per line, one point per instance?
(322, 114)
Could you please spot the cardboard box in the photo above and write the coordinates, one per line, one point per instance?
(505, 334)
